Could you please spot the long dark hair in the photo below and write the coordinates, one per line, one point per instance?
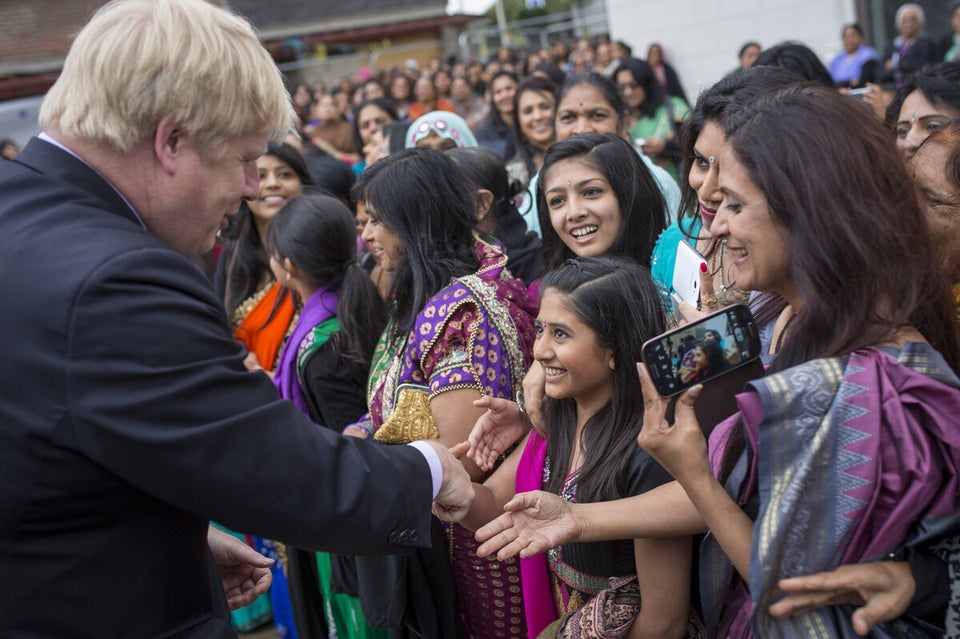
(594, 289)
(645, 77)
(526, 149)
(501, 127)
(496, 120)
(939, 84)
(383, 104)
(248, 260)
(485, 169)
(797, 58)
(316, 232)
(716, 362)
(419, 194)
(641, 205)
(730, 94)
(840, 272)
(716, 105)
(828, 171)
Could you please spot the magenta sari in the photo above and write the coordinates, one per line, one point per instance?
(849, 458)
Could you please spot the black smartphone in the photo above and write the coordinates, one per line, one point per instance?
(695, 353)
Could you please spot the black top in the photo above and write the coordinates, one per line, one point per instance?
(334, 393)
(606, 559)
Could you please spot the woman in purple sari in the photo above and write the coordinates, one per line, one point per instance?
(847, 451)
(460, 327)
(311, 244)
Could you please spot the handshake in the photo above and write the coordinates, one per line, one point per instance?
(456, 490)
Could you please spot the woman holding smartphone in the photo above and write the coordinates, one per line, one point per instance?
(807, 476)
(701, 144)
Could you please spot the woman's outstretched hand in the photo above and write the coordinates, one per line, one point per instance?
(534, 522)
(497, 429)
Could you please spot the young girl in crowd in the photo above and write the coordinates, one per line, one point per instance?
(808, 475)
(322, 369)
(497, 133)
(707, 360)
(259, 308)
(596, 197)
(534, 106)
(590, 103)
(401, 93)
(588, 341)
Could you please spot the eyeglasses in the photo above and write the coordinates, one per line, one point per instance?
(629, 86)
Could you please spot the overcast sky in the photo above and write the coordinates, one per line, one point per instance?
(468, 6)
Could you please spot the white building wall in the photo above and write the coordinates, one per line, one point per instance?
(702, 37)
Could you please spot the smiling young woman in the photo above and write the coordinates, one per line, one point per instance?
(534, 109)
(260, 308)
(597, 197)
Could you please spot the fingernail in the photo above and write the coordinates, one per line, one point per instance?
(703, 267)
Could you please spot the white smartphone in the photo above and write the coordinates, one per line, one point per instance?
(686, 272)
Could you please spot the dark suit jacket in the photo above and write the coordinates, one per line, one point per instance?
(127, 421)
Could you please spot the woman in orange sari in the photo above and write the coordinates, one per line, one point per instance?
(261, 311)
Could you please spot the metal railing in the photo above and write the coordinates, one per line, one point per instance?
(535, 33)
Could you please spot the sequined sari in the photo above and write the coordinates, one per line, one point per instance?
(476, 333)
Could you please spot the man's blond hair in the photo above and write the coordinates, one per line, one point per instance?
(139, 61)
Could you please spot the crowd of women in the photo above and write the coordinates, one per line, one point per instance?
(489, 281)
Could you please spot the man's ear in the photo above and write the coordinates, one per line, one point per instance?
(168, 144)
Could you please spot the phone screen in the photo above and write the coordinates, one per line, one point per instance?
(698, 352)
